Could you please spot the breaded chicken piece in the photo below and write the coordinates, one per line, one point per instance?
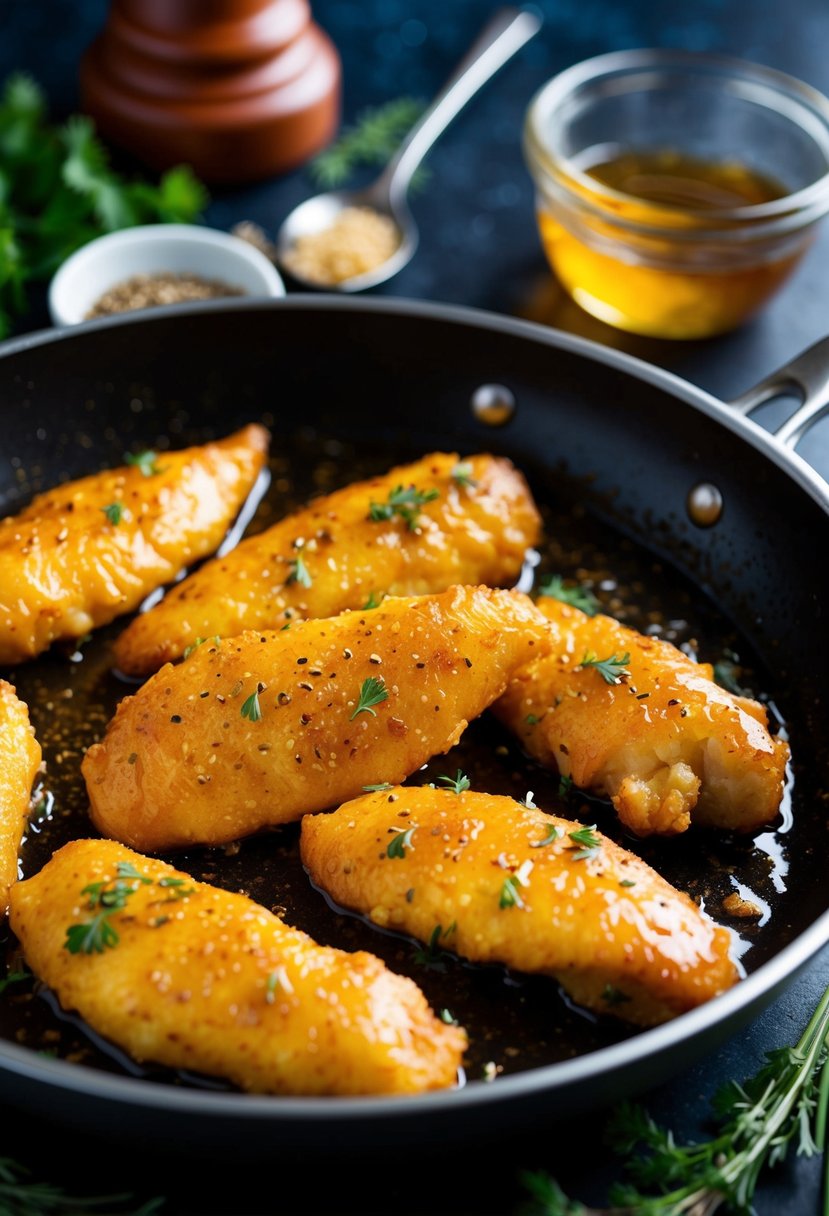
(495, 881)
(191, 976)
(83, 553)
(665, 743)
(416, 530)
(20, 757)
(257, 730)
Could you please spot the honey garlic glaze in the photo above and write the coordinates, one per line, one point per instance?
(514, 1022)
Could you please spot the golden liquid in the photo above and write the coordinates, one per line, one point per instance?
(672, 298)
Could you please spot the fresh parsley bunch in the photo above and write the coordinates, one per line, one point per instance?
(58, 191)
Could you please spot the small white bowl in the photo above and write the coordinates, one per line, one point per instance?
(156, 249)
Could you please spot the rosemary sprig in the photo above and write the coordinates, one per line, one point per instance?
(371, 140)
(784, 1103)
(613, 669)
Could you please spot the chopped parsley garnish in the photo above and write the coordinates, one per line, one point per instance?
(374, 600)
(98, 934)
(578, 597)
(626, 882)
(458, 783)
(177, 887)
(404, 502)
(510, 895)
(614, 996)
(298, 572)
(372, 692)
(14, 977)
(188, 650)
(613, 669)
(727, 672)
(378, 789)
(432, 956)
(114, 513)
(271, 987)
(462, 474)
(145, 461)
(589, 844)
(399, 843)
(251, 708)
(532, 719)
(553, 833)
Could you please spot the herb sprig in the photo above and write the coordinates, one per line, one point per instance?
(59, 192)
(20, 1195)
(404, 501)
(613, 669)
(372, 692)
(371, 140)
(784, 1104)
(578, 596)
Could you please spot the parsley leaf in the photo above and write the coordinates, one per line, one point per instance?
(372, 692)
(405, 502)
(578, 597)
(399, 843)
(462, 475)
(613, 669)
(58, 191)
(298, 572)
(251, 708)
(114, 513)
(145, 461)
(377, 789)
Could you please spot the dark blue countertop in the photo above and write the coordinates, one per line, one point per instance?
(480, 247)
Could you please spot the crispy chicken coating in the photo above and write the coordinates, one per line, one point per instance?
(257, 730)
(207, 980)
(505, 883)
(83, 553)
(20, 757)
(665, 743)
(416, 530)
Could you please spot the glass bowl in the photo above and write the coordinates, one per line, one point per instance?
(676, 191)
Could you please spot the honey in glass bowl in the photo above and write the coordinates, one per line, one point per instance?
(676, 192)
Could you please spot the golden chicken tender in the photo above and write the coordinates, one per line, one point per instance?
(255, 731)
(416, 530)
(89, 550)
(20, 757)
(190, 976)
(633, 718)
(495, 881)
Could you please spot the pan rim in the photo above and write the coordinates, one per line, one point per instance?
(724, 1011)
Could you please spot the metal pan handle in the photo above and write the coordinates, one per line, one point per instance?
(806, 377)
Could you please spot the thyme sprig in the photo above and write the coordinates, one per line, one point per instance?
(20, 1195)
(404, 501)
(371, 140)
(613, 669)
(785, 1103)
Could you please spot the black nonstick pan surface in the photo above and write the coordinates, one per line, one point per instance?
(614, 451)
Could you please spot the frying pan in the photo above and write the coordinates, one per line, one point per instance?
(616, 452)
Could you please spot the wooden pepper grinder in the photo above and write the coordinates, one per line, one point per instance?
(238, 89)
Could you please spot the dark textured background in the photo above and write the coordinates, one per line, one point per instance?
(479, 247)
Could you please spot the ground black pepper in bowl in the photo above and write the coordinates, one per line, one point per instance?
(154, 290)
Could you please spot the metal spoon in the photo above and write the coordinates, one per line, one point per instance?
(501, 38)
